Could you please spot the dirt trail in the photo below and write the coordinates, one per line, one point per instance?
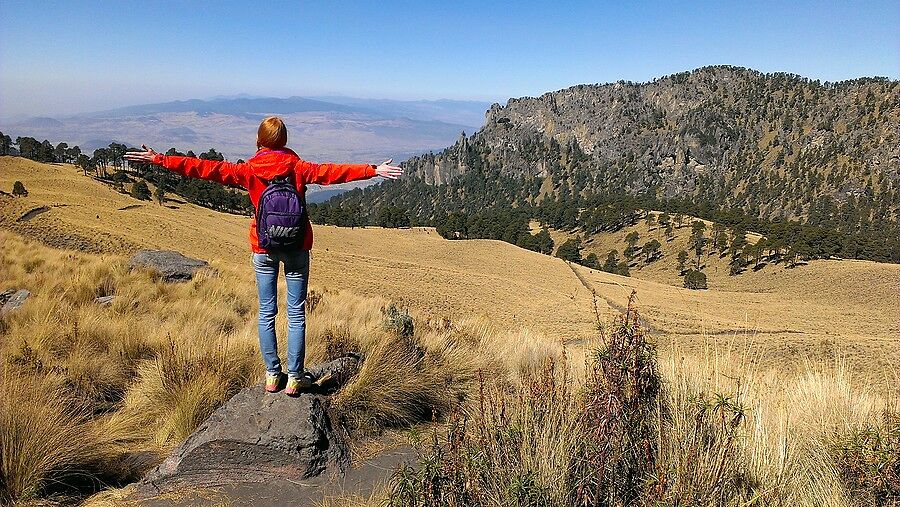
(609, 301)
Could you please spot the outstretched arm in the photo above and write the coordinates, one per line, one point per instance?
(327, 174)
(227, 173)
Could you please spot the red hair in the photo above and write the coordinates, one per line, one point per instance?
(272, 134)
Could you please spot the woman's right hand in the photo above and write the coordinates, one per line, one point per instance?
(145, 156)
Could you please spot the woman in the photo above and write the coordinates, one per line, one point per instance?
(274, 162)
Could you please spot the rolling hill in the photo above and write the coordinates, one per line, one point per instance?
(826, 309)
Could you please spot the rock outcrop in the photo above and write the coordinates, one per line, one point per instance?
(170, 265)
(257, 436)
(770, 144)
(104, 300)
(13, 299)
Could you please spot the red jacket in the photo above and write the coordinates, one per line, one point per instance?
(255, 173)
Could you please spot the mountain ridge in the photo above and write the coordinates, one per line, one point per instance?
(718, 142)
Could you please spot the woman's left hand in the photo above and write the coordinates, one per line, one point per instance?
(386, 170)
(141, 156)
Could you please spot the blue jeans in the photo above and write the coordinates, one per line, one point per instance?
(296, 272)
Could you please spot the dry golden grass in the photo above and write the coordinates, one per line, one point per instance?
(814, 348)
(810, 316)
(794, 417)
(45, 445)
(141, 374)
(731, 433)
(87, 386)
(513, 287)
(826, 306)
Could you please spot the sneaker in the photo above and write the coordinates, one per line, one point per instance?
(273, 382)
(295, 384)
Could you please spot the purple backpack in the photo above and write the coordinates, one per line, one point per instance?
(281, 215)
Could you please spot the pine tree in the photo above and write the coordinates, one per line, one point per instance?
(631, 239)
(682, 258)
(140, 190)
(18, 189)
(570, 251)
(651, 250)
(612, 262)
(695, 279)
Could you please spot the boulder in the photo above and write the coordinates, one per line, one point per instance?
(333, 374)
(104, 300)
(257, 436)
(14, 300)
(5, 295)
(170, 265)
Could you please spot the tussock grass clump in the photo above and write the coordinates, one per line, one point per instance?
(184, 382)
(86, 386)
(512, 448)
(51, 448)
(414, 370)
(400, 382)
(548, 438)
(700, 460)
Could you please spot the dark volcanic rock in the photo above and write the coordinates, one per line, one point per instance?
(257, 437)
(171, 265)
(14, 300)
(5, 295)
(335, 373)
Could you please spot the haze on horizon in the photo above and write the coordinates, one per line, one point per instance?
(80, 56)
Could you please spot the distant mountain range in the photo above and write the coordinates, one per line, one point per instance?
(321, 128)
(339, 129)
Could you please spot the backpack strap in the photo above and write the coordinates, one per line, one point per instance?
(287, 179)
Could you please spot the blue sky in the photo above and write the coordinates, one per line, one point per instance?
(63, 57)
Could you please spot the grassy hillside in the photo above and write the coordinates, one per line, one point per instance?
(820, 309)
(415, 265)
(121, 385)
(754, 398)
(815, 310)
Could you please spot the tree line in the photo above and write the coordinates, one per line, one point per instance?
(108, 164)
(488, 204)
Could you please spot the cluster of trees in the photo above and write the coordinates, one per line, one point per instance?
(571, 250)
(393, 217)
(204, 193)
(40, 151)
(511, 226)
(108, 164)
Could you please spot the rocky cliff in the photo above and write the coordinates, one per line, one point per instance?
(769, 144)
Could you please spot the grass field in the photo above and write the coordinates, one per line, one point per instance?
(807, 356)
(817, 310)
